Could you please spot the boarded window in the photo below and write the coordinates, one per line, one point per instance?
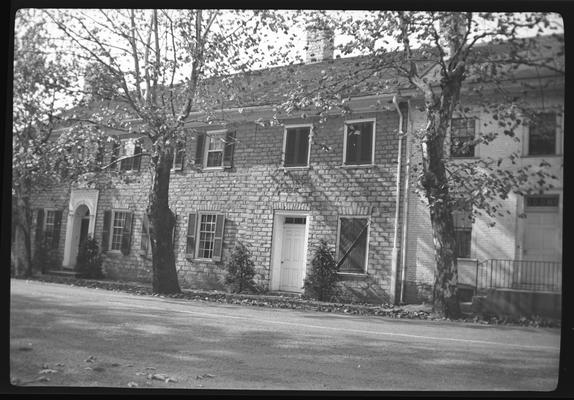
(542, 134)
(297, 147)
(359, 143)
(352, 251)
(462, 135)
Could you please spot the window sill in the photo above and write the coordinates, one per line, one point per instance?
(203, 260)
(455, 158)
(353, 274)
(358, 166)
(298, 168)
(542, 155)
(213, 169)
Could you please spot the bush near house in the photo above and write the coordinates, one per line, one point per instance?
(240, 270)
(45, 259)
(320, 282)
(89, 262)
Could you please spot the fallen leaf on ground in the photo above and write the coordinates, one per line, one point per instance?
(43, 379)
(90, 359)
(115, 365)
(168, 380)
(205, 376)
(158, 377)
(99, 369)
(59, 365)
(132, 384)
(24, 349)
(149, 368)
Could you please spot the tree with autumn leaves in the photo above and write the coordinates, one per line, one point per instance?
(446, 63)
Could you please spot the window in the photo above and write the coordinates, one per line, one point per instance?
(179, 155)
(48, 227)
(215, 149)
(116, 235)
(545, 202)
(463, 232)
(542, 134)
(126, 147)
(462, 134)
(296, 146)
(352, 248)
(359, 142)
(208, 229)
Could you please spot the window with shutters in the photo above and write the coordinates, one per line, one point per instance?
(359, 142)
(205, 236)
(51, 228)
(296, 146)
(542, 134)
(178, 156)
(126, 147)
(353, 244)
(462, 135)
(462, 220)
(215, 149)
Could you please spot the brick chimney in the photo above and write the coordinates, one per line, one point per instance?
(320, 44)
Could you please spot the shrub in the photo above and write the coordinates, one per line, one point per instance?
(89, 262)
(44, 258)
(240, 270)
(320, 282)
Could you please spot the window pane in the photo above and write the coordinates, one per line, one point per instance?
(214, 158)
(463, 241)
(462, 134)
(49, 231)
(117, 229)
(359, 143)
(206, 235)
(353, 229)
(297, 146)
(542, 139)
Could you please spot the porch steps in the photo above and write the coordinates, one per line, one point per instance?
(62, 272)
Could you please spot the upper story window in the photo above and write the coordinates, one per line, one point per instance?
(352, 246)
(123, 148)
(359, 142)
(215, 149)
(542, 137)
(178, 156)
(462, 135)
(296, 148)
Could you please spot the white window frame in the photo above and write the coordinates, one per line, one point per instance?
(45, 223)
(122, 153)
(173, 164)
(338, 256)
(111, 233)
(476, 120)
(558, 132)
(292, 126)
(200, 214)
(354, 121)
(208, 136)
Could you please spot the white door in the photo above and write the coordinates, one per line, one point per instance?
(292, 257)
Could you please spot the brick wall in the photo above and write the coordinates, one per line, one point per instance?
(256, 187)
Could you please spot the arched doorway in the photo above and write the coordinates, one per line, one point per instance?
(81, 223)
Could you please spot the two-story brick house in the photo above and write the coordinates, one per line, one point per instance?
(278, 189)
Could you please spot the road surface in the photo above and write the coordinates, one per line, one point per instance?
(71, 336)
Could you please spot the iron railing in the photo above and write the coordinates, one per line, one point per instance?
(518, 274)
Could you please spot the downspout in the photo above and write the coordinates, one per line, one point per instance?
(394, 253)
(405, 215)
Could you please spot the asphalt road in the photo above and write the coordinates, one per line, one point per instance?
(71, 336)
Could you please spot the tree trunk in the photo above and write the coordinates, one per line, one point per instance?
(162, 221)
(22, 214)
(435, 183)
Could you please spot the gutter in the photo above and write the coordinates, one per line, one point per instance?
(394, 253)
(405, 216)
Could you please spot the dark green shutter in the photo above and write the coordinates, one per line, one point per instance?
(173, 231)
(138, 159)
(144, 245)
(106, 230)
(218, 238)
(190, 246)
(40, 226)
(229, 149)
(127, 234)
(57, 227)
(199, 150)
